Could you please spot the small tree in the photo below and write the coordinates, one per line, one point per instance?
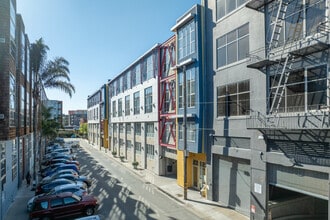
(83, 129)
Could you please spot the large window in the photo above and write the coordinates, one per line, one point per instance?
(150, 67)
(12, 100)
(22, 106)
(136, 103)
(187, 40)
(150, 151)
(120, 107)
(233, 99)
(233, 46)
(191, 131)
(300, 19)
(226, 6)
(305, 90)
(2, 164)
(191, 88)
(150, 129)
(137, 128)
(148, 100)
(127, 105)
(114, 109)
(12, 30)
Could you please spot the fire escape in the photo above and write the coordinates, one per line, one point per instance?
(167, 101)
(277, 59)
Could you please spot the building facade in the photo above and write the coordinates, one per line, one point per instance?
(76, 117)
(97, 117)
(56, 109)
(17, 130)
(192, 100)
(133, 112)
(270, 147)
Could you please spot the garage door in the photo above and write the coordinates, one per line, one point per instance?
(233, 183)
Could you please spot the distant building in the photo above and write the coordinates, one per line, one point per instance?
(56, 109)
(75, 116)
(65, 120)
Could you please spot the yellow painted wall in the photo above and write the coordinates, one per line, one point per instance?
(180, 166)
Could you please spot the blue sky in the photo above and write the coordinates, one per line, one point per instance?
(99, 38)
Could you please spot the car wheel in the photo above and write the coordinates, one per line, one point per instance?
(89, 211)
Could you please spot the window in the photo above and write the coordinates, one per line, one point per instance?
(114, 110)
(128, 144)
(136, 103)
(137, 128)
(138, 147)
(56, 202)
(233, 99)
(12, 30)
(127, 105)
(150, 151)
(233, 46)
(305, 90)
(149, 129)
(128, 128)
(120, 107)
(69, 200)
(148, 100)
(2, 164)
(12, 100)
(306, 16)
(121, 128)
(190, 85)
(187, 40)
(226, 6)
(150, 67)
(22, 106)
(191, 131)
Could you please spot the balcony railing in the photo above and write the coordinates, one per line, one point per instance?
(316, 119)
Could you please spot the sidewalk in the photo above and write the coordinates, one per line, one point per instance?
(205, 209)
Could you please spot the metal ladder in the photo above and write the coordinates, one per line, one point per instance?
(283, 70)
(278, 24)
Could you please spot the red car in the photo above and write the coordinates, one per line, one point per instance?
(63, 205)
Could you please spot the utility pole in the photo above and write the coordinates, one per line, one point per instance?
(185, 152)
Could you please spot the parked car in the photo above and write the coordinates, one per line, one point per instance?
(74, 188)
(63, 205)
(84, 179)
(45, 188)
(60, 172)
(61, 167)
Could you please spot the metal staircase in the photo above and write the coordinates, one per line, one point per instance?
(286, 58)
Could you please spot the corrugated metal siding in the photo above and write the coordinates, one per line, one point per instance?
(299, 180)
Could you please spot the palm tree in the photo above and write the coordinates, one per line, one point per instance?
(53, 74)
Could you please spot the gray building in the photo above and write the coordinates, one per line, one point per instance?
(270, 155)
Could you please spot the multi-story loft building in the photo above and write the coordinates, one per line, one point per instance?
(17, 131)
(133, 112)
(193, 98)
(76, 117)
(167, 107)
(65, 120)
(97, 118)
(56, 109)
(270, 145)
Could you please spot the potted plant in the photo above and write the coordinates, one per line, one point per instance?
(135, 164)
(114, 153)
(122, 158)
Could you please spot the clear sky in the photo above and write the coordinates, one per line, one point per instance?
(99, 38)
